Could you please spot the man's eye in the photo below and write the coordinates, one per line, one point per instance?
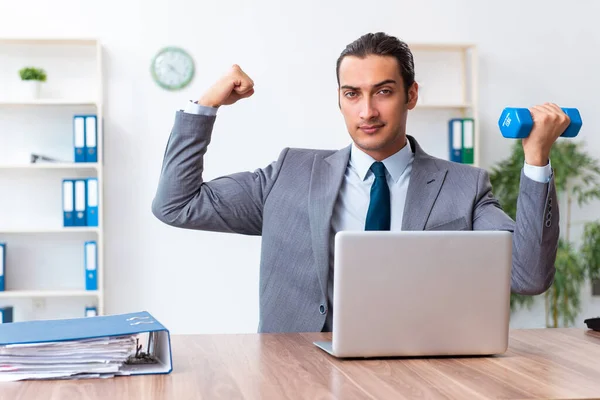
(350, 94)
(385, 91)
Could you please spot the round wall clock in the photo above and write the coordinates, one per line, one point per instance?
(172, 68)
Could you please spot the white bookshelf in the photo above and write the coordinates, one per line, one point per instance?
(448, 77)
(458, 106)
(50, 41)
(44, 231)
(45, 260)
(50, 166)
(47, 102)
(58, 165)
(16, 294)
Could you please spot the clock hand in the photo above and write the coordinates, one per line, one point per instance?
(175, 70)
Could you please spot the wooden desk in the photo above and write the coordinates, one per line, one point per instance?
(545, 363)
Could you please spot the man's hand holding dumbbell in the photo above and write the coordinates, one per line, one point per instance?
(539, 127)
(549, 122)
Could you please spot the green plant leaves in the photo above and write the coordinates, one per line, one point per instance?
(590, 250)
(577, 178)
(32, 74)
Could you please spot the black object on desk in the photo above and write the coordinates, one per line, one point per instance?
(593, 323)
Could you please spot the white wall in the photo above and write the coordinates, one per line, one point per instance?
(530, 52)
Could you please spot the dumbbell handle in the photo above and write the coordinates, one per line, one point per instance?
(516, 123)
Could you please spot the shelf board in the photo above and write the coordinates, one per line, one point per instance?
(76, 229)
(50, 41)
(48, 165)
(13, 294)
(48, 102)
(444, 105)
(440, 46)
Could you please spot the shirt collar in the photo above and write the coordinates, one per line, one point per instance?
(394, 164)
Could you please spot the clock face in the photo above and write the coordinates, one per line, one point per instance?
(172, 68)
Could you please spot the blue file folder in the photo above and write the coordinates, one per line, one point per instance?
(92, 202)
(468, 139)
(91, 312)
(79, 138)
(2, 266)
(65, 330)
(68, 197)
(80, 213)
(91, 265)
(6, 315)
(91, 138)
(455, 140)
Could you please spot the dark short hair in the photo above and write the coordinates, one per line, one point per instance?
(381, 44)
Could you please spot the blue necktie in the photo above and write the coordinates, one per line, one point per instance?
(378, 216)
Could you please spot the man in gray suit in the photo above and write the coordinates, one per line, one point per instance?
(383, 181)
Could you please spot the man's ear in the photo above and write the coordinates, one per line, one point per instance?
(413, 95)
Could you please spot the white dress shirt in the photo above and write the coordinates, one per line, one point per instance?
(350, 211)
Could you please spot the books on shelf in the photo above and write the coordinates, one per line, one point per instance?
(85, 142)
(89, 264)
(6, 315)
(85, 138)
(461, 140)
(80, 202)
(91, 312)
(89, 261)
(2, 266)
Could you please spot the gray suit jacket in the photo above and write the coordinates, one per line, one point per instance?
(290, 203)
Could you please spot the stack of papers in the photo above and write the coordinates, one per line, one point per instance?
(86, 347)
(85, 358)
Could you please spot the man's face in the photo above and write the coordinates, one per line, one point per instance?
(373, 102)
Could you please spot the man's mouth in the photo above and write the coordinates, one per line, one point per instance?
(370, 129)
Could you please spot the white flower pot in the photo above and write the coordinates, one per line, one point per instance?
(31, 89)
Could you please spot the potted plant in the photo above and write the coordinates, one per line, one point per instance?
(32, 78)
(576, 176)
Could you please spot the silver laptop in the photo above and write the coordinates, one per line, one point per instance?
(421, 293)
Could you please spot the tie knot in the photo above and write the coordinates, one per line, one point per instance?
(378, 169)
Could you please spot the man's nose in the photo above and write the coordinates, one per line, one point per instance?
(368, 111)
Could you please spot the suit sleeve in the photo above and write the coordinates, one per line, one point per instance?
(232, 203)
(535, 231)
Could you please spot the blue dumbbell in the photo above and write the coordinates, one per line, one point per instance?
(516, 123)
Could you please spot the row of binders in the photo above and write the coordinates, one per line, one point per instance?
(6, 313)
(80, 202)
(461, 139)
(85, 138)
(90, 264)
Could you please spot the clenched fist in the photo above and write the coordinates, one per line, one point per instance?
(549, 122)
(233, 86)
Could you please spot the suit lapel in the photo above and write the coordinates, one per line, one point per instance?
(326, 178)
(423, 188)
